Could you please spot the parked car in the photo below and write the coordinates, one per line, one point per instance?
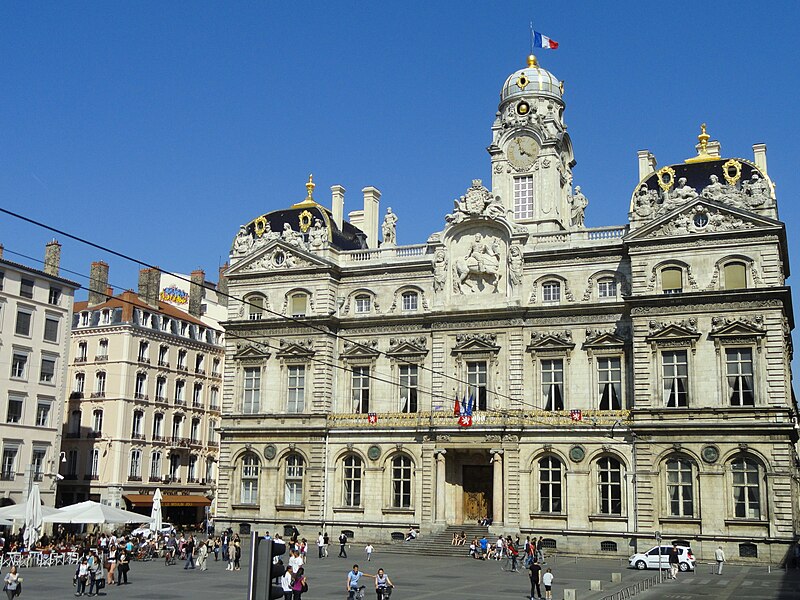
(146, 532)
(650, 559)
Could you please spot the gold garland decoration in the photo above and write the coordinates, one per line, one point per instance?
(260, 226)
(305, 221)
(726, 171)
(666, 183)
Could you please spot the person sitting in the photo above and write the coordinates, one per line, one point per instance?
(462, 540)
(454, 542)
(411, 535)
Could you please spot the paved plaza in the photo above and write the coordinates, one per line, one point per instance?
(426, 577)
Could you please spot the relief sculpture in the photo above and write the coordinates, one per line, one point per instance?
(480, 266)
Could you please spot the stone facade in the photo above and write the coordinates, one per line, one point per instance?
(621, 380)
(35, 310)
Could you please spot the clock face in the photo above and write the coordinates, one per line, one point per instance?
(522, 151)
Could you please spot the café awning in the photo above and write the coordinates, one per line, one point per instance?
(138, 500)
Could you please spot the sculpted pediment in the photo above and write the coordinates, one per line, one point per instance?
(250, 352)
(277, 255)
(551, 340)
(677, 331)
(295, 349)
(467, 343)
(367, 349)
(597, 339)
(700, 218)
(408, 347)
(737, 327)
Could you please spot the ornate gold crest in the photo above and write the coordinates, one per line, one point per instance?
(305, 221)
(666, 178)
(260, 226)
(736, 175)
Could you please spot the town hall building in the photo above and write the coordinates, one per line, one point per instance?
(589, 385)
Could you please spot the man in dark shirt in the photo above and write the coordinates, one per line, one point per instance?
(673, 561)
(536, 579)
(342, 543)
(189, 547)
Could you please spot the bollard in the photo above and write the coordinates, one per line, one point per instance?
(569, 594)
(616, 577)
(594, 585)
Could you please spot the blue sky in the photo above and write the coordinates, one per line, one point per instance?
(157, 128)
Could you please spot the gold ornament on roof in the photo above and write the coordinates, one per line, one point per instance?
(666, 178)
(702, 150)
(305, 219)
(260, 226)
(532, 62)
(736, 167)
(522, 82)
(309, 199)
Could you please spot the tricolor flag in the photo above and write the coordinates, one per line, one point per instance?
(372, 418)
(576, 415)
(457, 408)
(470, 405)
(542, 41)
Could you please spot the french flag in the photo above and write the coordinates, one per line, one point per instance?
(542, 41)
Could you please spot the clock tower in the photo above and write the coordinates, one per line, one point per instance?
(531, 151)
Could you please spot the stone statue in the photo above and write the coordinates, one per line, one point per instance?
(515, 265)
(478, 201)
(439, 270)
(495, 208)
(756, 190)
(389, 228)
(578, 204)
(318, 235)
(481, 263)
(683, 191)
(243, 242)
(645, 203)
(290, 236)
(714, 190)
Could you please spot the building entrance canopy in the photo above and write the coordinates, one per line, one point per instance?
(138, 500)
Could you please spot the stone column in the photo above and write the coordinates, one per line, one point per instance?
(441, 517)
(497, 488)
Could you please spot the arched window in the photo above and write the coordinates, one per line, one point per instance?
(144, 352)
(739, 372)
(97, 423)
(551, 291)
(607, 288)
(410, 301)
(158, 427)
(293, 494)
(250, 471)
(671, 280)
(609, 486)
(137, 425)
(140, 391)
(363, 303)
(83, 352)
(351, 480)
(155, 466)
(401, 481)
(746, 488)
(99, 384)
(298, 304)
(550, 484)
(680, 487)
(94, 464)
(255, 307)
(135, 472)
(735, 274)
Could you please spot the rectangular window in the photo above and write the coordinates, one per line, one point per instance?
(194, 432)
(54, 297)
(477, 379)
(363, 304)
(180, 392)
(298, 305)
(43, 413)
(360, 389)
(162, 356)
(553, 384)
(523, 197)
(609, 377)
(161, 389)
(296, 388)
(26, 288)
(23, 324)
(174, 467)
(158, 426)
(551, 292)
(48, 370)
(136, 429)
(213, 398)
(607, 288)
(14, 411)
(9, 465)
(51, 326)
(72, 463)
(410, 301)
(671, 280)
(37, 463)
(19, 365)
(675, 377)
(155, 466)
(409, 383)
(251, 400)
(739, 369)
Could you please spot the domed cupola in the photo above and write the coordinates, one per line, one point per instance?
(533, 80)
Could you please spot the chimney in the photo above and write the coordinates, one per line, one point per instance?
(760, 155)
(222, 286)
(356, 218)
(52, 257)
(98, 282)
(149, 280)
(337, 203)
(109, 292)
(196, 292)
(1, 250)
(372, 201)
(714, 148)
(647, 163)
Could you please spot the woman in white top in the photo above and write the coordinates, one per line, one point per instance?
(547, 580)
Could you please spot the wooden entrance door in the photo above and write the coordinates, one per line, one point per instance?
(477, 485)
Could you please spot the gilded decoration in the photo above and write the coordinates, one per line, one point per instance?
(508, 418)
(305, 219)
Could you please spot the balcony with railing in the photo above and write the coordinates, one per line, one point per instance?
(396, 254)
(199, 371)
(81, 359)
(140, 396)
(183, 368)
(94, 434)
(155, 479)
(197, 404)
(91, 477)
(163, 363)
(101, 358)
(143, 360)
(180, 402)
(101, 394)
(7, 476)
(159, 439)
(137, 436)
(161, 398)
(134, 477)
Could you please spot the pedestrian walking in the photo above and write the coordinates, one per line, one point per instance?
(286, 583)
(188, 548)
(96, 580)
(299, 584)
(321, 545)
(202, 556)
(536, 580)
(674, 560)
(719, 556)
(342, 544)
(11, 582)
(123, 566)
(369, 549)
(112, 563)
(327, 540)
(547, 580)
(237, 553)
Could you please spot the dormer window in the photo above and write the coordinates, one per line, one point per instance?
(735, 276)
(299, 304)
(184, 327)
(255, 305)
(363, 303)
(607, 288)
(410, 301)
(85, 319)
(105, 317)
(165, 324)
(671, 280)
(551, 291)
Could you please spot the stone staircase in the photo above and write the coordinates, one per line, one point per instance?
(438, 544)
